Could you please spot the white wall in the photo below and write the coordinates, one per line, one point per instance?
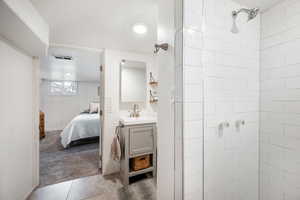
(169, 141)
(18, 124)
(60, 110)
(280, 102)
(220, 76)
(112, 60)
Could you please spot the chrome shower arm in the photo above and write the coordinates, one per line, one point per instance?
(251, 13)
(245, 10)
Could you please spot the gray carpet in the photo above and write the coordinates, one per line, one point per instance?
(58, 164)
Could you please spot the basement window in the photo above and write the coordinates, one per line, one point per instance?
(63, 88)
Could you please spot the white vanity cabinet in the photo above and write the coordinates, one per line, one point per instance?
(137, 140)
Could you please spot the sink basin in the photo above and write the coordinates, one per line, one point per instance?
(138, 120)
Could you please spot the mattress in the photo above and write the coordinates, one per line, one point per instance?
(81, 127)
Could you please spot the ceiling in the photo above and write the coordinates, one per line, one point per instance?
(108, 23)
(84, 65)
(100, 23)
(262, 4)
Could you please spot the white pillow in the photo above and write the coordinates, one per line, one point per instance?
(94, 107)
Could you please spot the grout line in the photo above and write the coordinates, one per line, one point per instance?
(203, 103)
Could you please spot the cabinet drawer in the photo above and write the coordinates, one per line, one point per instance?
(141, 140)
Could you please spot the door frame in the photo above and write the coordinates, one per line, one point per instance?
(170, 132)
(171, 174)
(102, 107)
(37, 69)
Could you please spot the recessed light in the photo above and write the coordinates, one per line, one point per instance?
(68, 74)
(140, 28)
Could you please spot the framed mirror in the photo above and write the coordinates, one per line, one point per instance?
(133, 81)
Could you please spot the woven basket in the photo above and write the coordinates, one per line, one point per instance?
(141, 162)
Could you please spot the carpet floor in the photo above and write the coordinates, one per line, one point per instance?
(58, 164)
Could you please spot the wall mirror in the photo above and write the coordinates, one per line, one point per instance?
(133, 81)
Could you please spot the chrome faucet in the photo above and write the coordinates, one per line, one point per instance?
(135, 112)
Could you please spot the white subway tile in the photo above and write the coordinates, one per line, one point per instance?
(193, 111)
(272, 183)
(291, 164)
(292, 131)
(193, 93)
(273, 57)
(193, 129)
(193, 147)
(193, 38)
(293, 83)
(192, 57)
(193, 75)
(193, 14)
(226, 65)
(272, 84)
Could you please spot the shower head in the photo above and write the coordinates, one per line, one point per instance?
(252, 13)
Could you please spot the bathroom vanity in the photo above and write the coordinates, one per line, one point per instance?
(138, 139)
(137, 129)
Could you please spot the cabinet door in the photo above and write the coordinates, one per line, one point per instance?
(141, 140)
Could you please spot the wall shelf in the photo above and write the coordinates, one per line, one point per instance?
(152, 80)
(154, 101)
(153, 83)
(153, 98)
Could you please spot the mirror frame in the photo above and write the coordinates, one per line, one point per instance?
(120, 83)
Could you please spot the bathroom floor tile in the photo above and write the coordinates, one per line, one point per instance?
(97, 188)
(88, 187)
(52, 192)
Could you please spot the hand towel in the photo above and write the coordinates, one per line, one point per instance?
(116, 147)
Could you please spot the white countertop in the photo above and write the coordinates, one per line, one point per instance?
(138, 120)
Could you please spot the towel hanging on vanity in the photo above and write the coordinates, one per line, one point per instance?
(116, 151)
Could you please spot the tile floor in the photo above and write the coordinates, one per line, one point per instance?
(97, 188)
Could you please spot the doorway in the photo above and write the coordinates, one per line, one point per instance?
(69, 115)
(168, 147)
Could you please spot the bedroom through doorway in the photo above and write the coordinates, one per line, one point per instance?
(69, 114)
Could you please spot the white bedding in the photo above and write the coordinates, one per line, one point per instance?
(82, 126)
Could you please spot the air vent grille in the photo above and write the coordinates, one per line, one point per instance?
(60, 57)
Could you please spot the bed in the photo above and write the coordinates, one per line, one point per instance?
(81, 127)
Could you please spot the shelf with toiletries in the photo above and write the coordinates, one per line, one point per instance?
(152, 80)
(153, 94)
(153, 97)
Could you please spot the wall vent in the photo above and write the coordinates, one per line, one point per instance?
(60, 57)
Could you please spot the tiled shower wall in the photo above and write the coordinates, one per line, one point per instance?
(191, 71)
(220, 84)
(280, 102)
(231, 94)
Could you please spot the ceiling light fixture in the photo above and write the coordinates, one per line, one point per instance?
(140, 28)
